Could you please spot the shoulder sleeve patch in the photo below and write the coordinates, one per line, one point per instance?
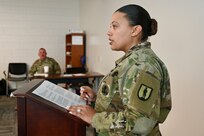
(144, 93)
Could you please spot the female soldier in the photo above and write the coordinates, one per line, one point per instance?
(135, 96)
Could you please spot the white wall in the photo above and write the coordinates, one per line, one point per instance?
(27, 25)
(178, 43)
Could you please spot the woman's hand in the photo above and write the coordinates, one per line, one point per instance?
(85, 112)
(87, 94)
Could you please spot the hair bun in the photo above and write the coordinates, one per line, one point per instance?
(153, 27)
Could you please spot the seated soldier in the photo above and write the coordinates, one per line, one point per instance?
(44, 61)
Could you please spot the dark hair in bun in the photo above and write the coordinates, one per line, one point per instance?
(137, 15)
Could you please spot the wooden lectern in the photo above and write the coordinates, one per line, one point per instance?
(39, 117)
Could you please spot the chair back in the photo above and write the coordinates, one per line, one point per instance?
(17, 68)
(17, 71)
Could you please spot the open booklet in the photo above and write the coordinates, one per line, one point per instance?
(58, 95)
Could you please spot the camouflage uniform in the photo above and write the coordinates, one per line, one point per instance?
(38, 66)
(134, 97)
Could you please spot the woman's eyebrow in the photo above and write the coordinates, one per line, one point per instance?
(114, 22)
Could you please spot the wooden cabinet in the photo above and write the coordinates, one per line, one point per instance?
(75, 52)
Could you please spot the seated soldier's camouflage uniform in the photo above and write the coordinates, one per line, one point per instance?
(38, 66)
(134, 97)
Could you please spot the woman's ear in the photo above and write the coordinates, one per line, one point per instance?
(136, 30)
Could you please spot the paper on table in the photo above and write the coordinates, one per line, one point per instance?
(58, 95)
(67, 75)
(79, 74)
(40, 74)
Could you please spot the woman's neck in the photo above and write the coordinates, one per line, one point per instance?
(132, 45)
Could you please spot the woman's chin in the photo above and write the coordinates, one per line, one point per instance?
(113, 48)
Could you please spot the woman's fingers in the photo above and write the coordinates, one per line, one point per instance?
(84, 112)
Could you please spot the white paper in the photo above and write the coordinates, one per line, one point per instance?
(58, 95)
(79, 74)
(77, 40)
(40, 74)
(67, 75)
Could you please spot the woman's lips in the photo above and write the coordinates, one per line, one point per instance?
(110, 41)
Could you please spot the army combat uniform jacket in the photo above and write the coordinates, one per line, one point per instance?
(38, 66)
(134, 97)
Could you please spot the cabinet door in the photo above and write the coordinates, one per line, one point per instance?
(77, 54)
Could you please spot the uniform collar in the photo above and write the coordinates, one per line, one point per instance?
(43, 59)
(133, 49)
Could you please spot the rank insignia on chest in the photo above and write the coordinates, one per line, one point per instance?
(105, 90)
(144, 92)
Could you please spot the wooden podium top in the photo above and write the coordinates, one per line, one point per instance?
(26, 92)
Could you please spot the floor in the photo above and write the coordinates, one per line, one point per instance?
(8, 114)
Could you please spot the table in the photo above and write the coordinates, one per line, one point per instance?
(73, 78)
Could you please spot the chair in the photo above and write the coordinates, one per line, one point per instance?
(16, 72)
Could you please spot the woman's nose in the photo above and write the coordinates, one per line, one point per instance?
(109, 33)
